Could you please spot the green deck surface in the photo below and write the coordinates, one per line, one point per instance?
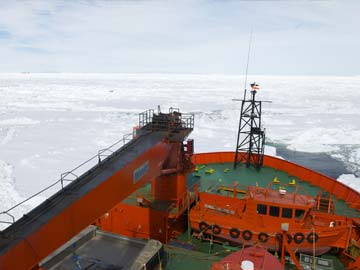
(224, 174)
(183, 259)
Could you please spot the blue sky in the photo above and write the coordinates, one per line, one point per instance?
(290, 37)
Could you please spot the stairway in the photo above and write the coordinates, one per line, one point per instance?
(325, 203)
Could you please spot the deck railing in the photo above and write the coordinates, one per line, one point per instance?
(174, 120)
(8, 216)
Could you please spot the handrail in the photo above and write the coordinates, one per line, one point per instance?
(7, 222)
(184, 195)
(63, 175)
(172, 121)
(145, 118)
(126, 138)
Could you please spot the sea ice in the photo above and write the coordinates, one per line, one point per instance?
(350, 180)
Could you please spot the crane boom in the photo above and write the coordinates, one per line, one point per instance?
(62, 216)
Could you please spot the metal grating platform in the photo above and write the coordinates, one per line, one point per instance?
(94, 249)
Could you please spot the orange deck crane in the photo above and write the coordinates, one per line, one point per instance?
(51, 224)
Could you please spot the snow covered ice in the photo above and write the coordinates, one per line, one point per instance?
(49, 123)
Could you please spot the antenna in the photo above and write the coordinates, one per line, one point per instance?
(247, 63)
(251, 136)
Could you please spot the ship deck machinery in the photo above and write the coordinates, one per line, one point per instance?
(156, 150)
(214, 175)
(324, 213)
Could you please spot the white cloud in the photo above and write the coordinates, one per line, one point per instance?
(180, 36)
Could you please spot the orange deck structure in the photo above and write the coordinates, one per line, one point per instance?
(257, 218)
(221, 216)
(338, 230)
(151, 154)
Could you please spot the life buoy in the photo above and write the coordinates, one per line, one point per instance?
(234, 233)
(299, 237)
(279, 237)
(247, 235)
(203, 226)
(312, 237)
(263, 237)
(216, 229)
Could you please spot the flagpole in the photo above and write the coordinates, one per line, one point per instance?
(247, 63)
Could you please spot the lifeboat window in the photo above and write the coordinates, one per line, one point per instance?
(274, 211)
(262, 209)
(287, 213)
(299, 213)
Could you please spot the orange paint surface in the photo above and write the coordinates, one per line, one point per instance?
(137, 221)
(83, 212)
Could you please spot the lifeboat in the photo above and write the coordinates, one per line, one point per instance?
(260, 214)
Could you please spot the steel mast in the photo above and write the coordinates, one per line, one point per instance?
(251, 136)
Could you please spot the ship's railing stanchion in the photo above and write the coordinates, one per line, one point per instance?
(63, 178)
(101, 154)
(7, 222)
(127, 138)
(145, 117)
(161, 121)
(176, 122)
(7, 212)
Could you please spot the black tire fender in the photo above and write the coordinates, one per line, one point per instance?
(234, 233)
(203, 226)
(312, 238)
(263, 237)
(216, 229)
(299, 237)
(247, 235)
